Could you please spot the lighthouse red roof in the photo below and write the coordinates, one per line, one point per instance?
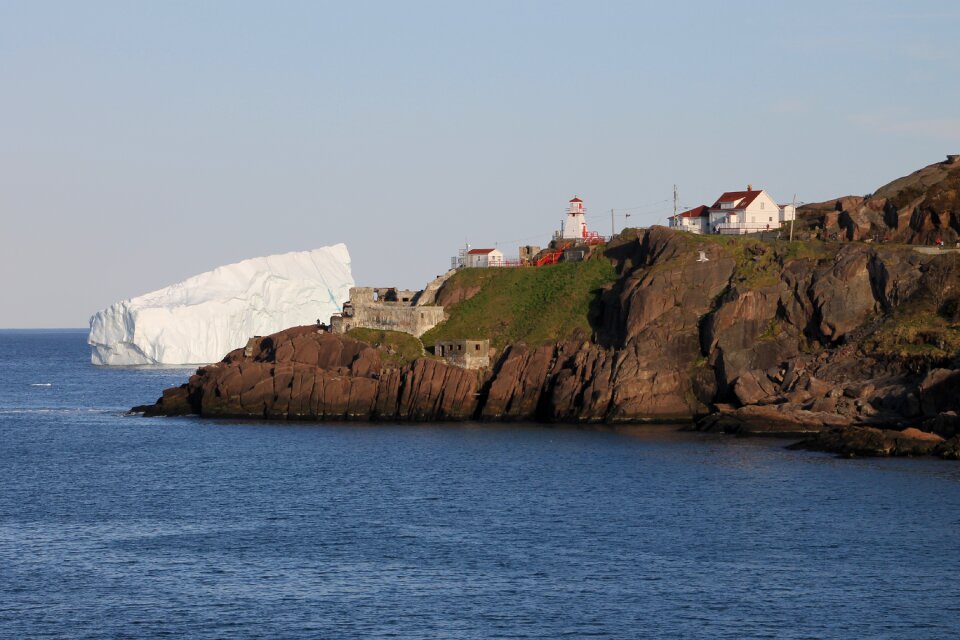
(576, 199)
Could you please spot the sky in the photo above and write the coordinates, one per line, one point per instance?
(142, 143)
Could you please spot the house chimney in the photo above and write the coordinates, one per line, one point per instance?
(749, 187)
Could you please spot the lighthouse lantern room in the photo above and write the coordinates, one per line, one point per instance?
(575, 224)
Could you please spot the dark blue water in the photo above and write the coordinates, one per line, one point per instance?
(116, 526)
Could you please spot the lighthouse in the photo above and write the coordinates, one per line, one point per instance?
(575, 224)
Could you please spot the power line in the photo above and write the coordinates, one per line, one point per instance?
(641, 206)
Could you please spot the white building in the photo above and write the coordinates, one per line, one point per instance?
(575, 224)
(695, 220)
(736, 213)
(483, 258)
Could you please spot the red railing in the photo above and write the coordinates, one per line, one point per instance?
(593, 238)
(549, 258)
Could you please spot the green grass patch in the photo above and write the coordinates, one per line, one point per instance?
(917, 332)
(772, 330)
(759, 262)
(532, 304)
(396, 348)
(803, 250)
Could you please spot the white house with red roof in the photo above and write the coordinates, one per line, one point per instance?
(695, 220)
(736, 213)
(483, 258)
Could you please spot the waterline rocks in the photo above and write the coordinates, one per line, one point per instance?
(765, 338)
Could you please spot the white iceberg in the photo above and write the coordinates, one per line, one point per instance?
(199, 320)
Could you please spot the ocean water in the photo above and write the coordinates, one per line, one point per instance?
(114, 526)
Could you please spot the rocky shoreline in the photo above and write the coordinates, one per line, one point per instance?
(762, 339)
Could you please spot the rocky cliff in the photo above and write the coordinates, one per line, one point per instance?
(917, 209)
(799, 338)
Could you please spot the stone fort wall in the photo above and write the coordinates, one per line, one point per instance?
(387, 309)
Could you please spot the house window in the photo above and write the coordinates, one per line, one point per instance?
(476, 347)
(761, 204)
(771, 219)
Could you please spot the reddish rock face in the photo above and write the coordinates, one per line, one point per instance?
(870, 442)
(306, 374)
(676, 339)
(843, 295)
(915, 209)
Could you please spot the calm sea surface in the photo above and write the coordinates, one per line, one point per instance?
(126, 527)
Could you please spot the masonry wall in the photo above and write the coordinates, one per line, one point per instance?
(413, 320)
(370, 311)
(467, 354)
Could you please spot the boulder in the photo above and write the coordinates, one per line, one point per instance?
(871, 442)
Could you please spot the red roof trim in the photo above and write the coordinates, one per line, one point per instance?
(480, 252)
(733, 196)
(697, 212)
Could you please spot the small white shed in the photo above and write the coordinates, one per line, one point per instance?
(483, 258)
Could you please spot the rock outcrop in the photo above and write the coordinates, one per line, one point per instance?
(917, 209)
(871, 442)
(772, 338)
(306, 373)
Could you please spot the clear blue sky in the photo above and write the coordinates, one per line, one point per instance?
(145, 142)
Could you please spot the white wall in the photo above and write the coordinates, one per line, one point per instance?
(484, 260)
(761, 212)
(573, 226)
(475, 260)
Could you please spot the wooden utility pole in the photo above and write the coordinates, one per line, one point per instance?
(794, 216)
(613, 227)
(676, 199)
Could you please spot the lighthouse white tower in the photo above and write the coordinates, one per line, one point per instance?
(575, 225)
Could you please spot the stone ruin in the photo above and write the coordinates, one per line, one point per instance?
(468, 354)
(388, 309)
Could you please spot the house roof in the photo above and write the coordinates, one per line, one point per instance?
(697, 212)
(733, 196)
(480, 252)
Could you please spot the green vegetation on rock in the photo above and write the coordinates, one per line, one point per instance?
(396, 348)
(917, 332)
(759, 262)
(530, 304)
(928, 324)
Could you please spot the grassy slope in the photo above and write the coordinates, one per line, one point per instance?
(396, 348)
(549, 303)
(542, 304)
(533, 304)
